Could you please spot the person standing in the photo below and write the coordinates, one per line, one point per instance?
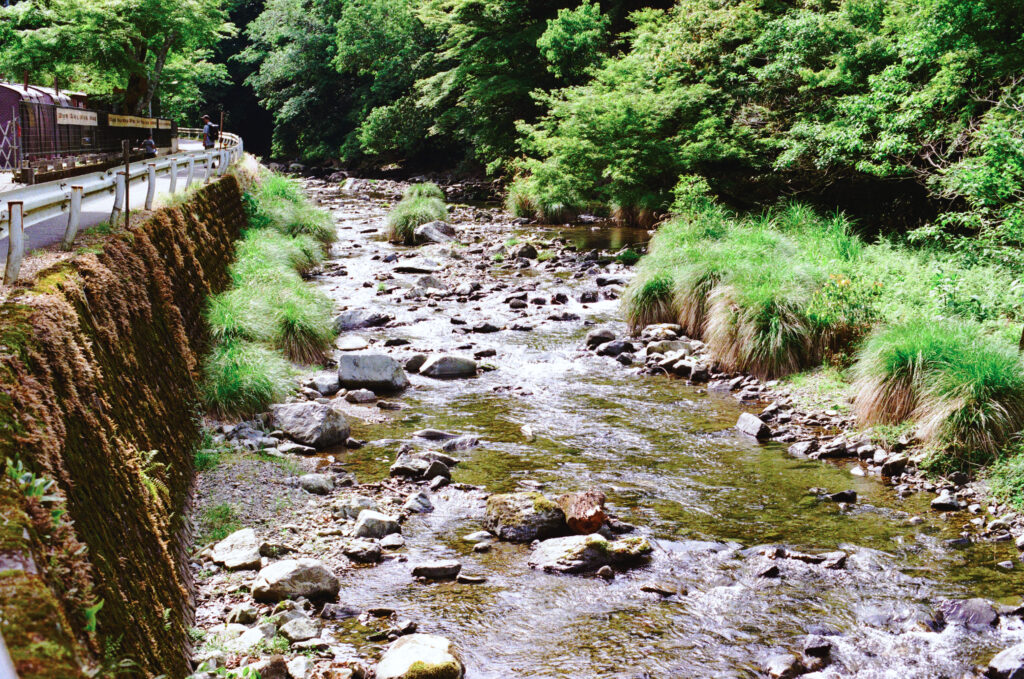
(210, 133)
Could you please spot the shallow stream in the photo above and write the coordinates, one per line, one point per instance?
(671, 463)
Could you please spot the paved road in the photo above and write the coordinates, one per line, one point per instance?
(97, 209)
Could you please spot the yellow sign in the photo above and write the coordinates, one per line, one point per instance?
(77, 116)
(115, 120)
(162, 124)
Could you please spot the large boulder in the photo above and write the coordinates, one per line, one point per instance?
(240, 550)
(434, 232)
(584, 511)
(587, 553)
(310, 423)
(292, 578)
(524, 517)
(448, 367)
(377, 372)
(420, 656)
(1007, 664)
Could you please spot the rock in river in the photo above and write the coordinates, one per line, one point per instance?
(291, 578)
(420, 656)
(442, 569)
(1008, 664)
(524, 517)
(584, 511)
(371, 524)
(377, 372)
(310, 423)
(974, 614)
(356, 319)
(752, 425)
(240, 550)
(318, 484)
(434, 232)
(448, 367)
(587, 553)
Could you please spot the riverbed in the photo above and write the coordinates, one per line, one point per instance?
(672, 464)
(735, 523)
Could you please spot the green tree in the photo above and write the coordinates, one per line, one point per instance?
(111, 44)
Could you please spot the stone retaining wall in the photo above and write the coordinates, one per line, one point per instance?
(99, 358)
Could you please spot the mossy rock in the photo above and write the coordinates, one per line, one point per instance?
(524, 517)
(588, 553)
(420, 656)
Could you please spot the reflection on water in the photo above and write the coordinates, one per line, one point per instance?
(671, 463)
(605, 235)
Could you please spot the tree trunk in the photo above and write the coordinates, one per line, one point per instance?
(158, 70)
(1020, 346)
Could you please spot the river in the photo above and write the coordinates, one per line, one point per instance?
(671, 463)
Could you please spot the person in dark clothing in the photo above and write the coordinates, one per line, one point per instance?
(209, 137)
(149, 147)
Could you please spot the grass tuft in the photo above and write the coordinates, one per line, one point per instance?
(963, 388)
(269, 306)
(423, 190)
(412, 212)
(244, 378)
(649, 300)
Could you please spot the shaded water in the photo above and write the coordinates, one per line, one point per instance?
(672, 464)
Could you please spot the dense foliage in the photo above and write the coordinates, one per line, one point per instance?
(145, 50)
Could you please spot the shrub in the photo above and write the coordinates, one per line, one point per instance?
(243, 378)
(412, 212)
(423, 190)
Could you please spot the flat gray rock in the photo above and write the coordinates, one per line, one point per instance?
(379, 373)
(448, 367)
(292, 578)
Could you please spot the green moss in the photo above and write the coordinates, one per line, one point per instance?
(445, 670)
(543, 504)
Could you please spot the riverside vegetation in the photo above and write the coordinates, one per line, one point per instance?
(270, 316)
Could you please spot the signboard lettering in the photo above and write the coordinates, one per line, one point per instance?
(77, 116)
(115, 120)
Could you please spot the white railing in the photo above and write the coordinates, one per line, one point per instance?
(21, 208)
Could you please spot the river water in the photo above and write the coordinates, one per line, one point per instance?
(671, 463)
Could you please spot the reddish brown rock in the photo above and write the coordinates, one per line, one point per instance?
(584, 511)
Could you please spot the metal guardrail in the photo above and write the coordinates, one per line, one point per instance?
(21, 208)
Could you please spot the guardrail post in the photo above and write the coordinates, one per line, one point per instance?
(191, 171)
(115, 212)
(15, 241)
(74, 215)
(150, 185)
(174, 175)
(208, 162)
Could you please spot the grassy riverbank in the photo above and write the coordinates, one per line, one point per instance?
(926, 336)
(269, 318)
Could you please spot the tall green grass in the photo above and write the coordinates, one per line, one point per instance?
(242, 378)
(412, 211)
(963, 388)
(270, 315)
(423, 190)
(934, 339)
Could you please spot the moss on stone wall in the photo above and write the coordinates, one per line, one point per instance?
(98, 365)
